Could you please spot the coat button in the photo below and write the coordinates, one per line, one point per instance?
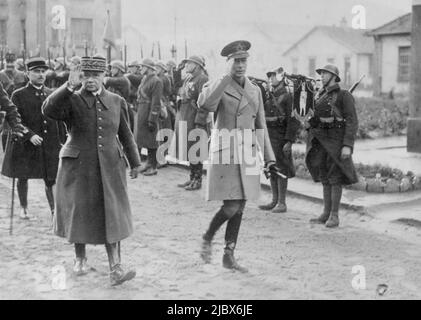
(100, 119)
(100, 128)
(45, 121)
(45, 131)
(100, 146)
(99, 110)
(100, 137)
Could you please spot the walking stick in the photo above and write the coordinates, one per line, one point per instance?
(12, 209)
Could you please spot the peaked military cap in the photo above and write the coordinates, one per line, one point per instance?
(236, 49)
(96, 63)
(331, 69)
(35, 63)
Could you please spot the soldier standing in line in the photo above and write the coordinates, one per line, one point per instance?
(36, 157)
(189, 93)
(135, 79)
(148, 113)
(282, 130)
(332, 132)
(92, 201)
(239, 109)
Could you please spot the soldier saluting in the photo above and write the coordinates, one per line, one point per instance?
(92, 201)
(239, 110)
(282, 130)
(330, 143)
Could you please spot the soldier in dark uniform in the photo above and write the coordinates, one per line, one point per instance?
(282, 130)
(36, 157)
(189, 93)
(135, 79)
(332, 131)
(11, 79)
(57, 77)
(148, 113)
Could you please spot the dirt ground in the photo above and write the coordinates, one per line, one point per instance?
(287, 257)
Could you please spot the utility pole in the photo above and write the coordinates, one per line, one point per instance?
(414, 121)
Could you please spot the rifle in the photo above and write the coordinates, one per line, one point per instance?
(356, 84)
(2, 57)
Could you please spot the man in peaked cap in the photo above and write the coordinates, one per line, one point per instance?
(149, 109)
(239, 109)
(92, 204)
(283, 129)
(185, 120)
(330, 143)
(36, 156)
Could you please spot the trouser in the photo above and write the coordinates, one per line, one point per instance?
(22, 186)
(231, 211)
(113, 253)
(152, 158)
(196, 171)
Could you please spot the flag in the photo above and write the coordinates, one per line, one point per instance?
(108, 36)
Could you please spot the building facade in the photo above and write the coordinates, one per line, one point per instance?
(351, 50)
(29, 24)
(392, 56)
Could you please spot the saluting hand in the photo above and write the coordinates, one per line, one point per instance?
(75, 78)
(36, 140)
(230, 67)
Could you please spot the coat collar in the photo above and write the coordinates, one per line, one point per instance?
(240, 93)
(87, 96)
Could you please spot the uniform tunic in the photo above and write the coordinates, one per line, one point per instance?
(325, 144)
(239, 111)
(282, 127)
(92, 205)
(23, 159)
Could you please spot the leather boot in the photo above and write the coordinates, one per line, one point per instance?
(196, 183)
(333, 220)
(80, 267)
(187, 183)
(22, 186)
(228, 260)
(282, 191)
(117, 274)
(275, 194)
(50, 198)
(327, 205)
(216, 223)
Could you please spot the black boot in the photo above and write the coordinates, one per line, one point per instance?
(229, 262)
(216, 223)
(22, 186)
(231, 237)
(275, 194)
(187, 183)
(153, 163)
(282, 191)
(80, 267)
(117, 274)
(196, 183)
(50, 198)
(327, 205)
(333, 220)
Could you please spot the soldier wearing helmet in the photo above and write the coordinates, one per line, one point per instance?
(332, 132)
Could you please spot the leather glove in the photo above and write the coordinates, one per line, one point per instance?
(346, 153)
(287, 149)
(151, 126)
(18, 132)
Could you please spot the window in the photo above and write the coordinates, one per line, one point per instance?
(312, 67)
(3, 32)
(81, 30)
(404, 59)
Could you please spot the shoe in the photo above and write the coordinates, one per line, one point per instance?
(280, 208)
(145, 167)
(150, 172)
(322, 219)
(119, 276)
(184, 185)
(229, 262)
(80, 267)
(25, 215)
(195, 185)
(206, 251)
(333, 221)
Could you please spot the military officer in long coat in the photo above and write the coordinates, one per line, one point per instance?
(282, 128)
(185, 120)
(148, 113)
(234, 170)
(36, 156)
(332, 132)
(92, 204)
